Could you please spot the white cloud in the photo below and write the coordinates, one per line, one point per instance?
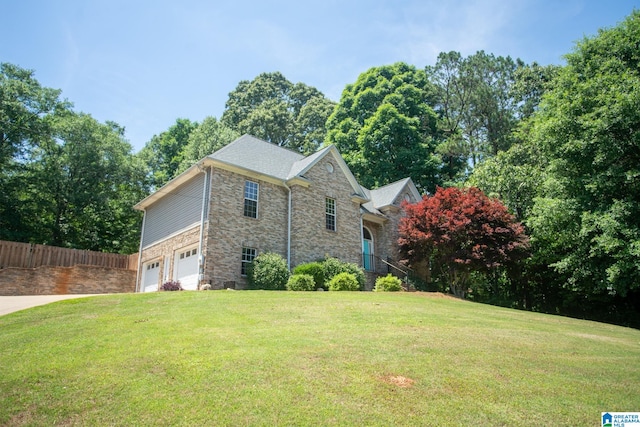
(429, 28)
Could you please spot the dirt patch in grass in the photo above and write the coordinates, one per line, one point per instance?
(398, 380)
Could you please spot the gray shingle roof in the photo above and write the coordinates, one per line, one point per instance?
(260, 156)
(384, 196)
(265, 158)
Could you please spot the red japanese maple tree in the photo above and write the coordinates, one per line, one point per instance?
(459, 231)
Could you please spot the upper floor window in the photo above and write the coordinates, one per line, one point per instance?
(251, 199)
(330, 213)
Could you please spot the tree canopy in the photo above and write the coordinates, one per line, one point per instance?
(385, 128)
(164, 152)
(66, 179)
(573, 178)
(274, 109)
(209, 136)
(589, 128)
(460, 231)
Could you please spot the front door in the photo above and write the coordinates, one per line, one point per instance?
(367, 250)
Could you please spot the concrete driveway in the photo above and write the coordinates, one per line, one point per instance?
(16, 303)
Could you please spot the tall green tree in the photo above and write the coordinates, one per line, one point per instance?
(589, 125)
(274, 109)
(80, 190)
(530, 84)
(210, 135)
(476, 105)
(65, 179)
(163, 153)
(27, 111)
(385, 128)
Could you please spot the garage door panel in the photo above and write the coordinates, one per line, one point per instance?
(187, 268)
(150, 275)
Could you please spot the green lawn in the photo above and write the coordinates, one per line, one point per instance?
(316, 358)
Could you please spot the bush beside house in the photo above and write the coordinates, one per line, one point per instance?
(333, 266)
(268, 271)
(344, 282)
(315, 270)
(388, 283)
(301, 282)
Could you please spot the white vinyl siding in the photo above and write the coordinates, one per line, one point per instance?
(177, 210)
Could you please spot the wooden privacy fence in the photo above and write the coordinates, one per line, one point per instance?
(26, 255)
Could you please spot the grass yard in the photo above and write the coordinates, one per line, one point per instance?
(309, 358)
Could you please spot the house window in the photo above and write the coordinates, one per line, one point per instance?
(251, 199)
(248, 255)
(330, 213)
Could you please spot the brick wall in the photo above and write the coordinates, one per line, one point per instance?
(230, 230)
(310, 238)
(168, 248)
(79, 279)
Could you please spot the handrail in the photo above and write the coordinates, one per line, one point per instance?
(397, 268)
(403, 269)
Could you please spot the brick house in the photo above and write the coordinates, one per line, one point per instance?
(207, 224)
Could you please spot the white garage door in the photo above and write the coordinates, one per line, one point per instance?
(187, 269)
(150, 275)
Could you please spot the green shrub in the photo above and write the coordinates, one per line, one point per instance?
(334, 266)
(301, 282)
(268, 271)
(344, 282)
(388, 283)
(313, 269)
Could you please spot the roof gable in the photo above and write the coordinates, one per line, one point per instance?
(388, 194)
(301, 167)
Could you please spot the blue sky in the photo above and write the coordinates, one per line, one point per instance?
(145, 63)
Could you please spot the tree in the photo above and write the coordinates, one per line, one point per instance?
(163, 153)
(82, 188)
(65, 179)
(589, 127)
(210, 135)
(530, 83)
(461, 231)
(476, 105)
(514, 176)
(385, 129)
(27, 111)
(274, 109)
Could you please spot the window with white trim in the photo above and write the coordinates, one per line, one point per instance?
(330, 213)
(251, 199)
(248, 255)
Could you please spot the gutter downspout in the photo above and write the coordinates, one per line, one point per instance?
(288, 227)
(202, 220)
(139, 270)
